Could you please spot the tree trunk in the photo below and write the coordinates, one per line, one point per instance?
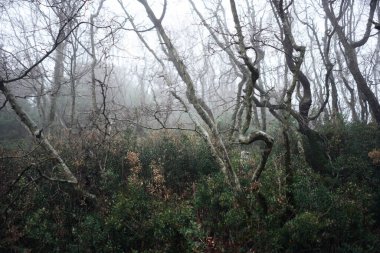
(38, 134)
(352, 59)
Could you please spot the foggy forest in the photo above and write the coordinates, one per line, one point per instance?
(190, 126)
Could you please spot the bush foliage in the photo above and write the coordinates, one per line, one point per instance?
(163, 193)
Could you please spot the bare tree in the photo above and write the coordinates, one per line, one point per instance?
(350, 47)
(208, 126)
(12, 76)
(94, 61)
(60, 10)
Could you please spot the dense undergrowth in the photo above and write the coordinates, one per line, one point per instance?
(162, 192)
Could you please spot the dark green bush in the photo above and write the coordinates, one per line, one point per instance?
(183, 157)
(163, 193)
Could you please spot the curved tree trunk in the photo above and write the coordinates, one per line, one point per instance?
(352, 58)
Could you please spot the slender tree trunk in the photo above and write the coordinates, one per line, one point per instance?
(57, 80)
(94, 61)
(38, 134)
(352, 101)
(352, 59)
(93, 66)
(73, 83)
(201, 108)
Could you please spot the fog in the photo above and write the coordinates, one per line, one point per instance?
(202, 125)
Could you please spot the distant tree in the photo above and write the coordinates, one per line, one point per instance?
(335, 11)
(14, 70)
(197, 107)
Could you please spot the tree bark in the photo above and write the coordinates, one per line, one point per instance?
(38, 134)
(351, 56)
(201, 108)
(58, 68)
